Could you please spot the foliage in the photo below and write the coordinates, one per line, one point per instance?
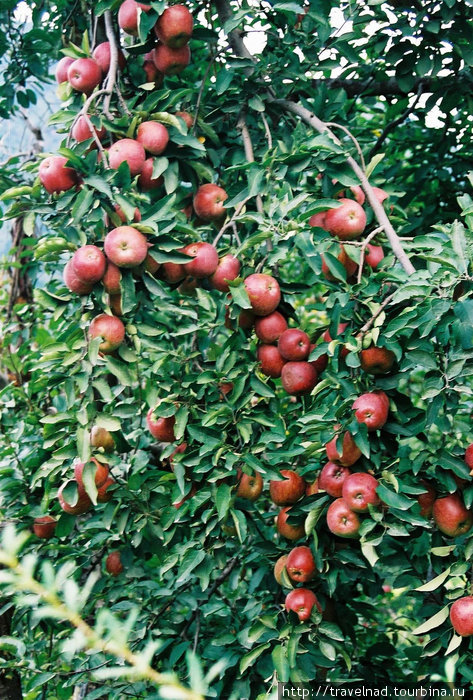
(198, 579)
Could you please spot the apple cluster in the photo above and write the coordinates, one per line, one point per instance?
(298, 567)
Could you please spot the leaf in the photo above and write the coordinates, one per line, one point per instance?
(454, 643)
(240, 296)
(281, 664)
(248, 659)
(435, 582)
(369, 552)
(459, 245)
(393, 499)
(433, 622)
(373, 163)
(223, 499)
(328, 650)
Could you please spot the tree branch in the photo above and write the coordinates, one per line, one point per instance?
(367, 87)
(392, 125)
(113, 69)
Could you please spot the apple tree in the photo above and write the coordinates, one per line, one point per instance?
(236, 338)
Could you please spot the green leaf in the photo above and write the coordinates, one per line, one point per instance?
(249, 658)
(435, 582)
(393, 499)
(433, 622)
(281, 664)
(223, 500)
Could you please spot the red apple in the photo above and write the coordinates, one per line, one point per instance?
(312, 488)
(300, 564)
(359, 491)
(88, 263)
(380, 194)
(73, 283)
(152, 73)
(228, 269)
(298, 378)
(146, 180)
(426, 500)
(347, 221)
(271, 362)
(44, 527)
(161, 428)
(62, 67)
(469, 456)
(287, 491)
(174, 26)
(101, 472)
(173, 272)
(331, 478)
(341, 520)
(125, 246)
(102, 54)
(129, 151)
(376, 360)
(122, 216)
(205, 260)
(372, 409)
(250, 486)
(263, 292)
(84, 74)
(320, 363)
(350, 265)
(81, 130)
(451, 515)
(327, 338)
(112, 278)
(294, 344)
(373, 255)
(110, 329)
(301, 601)
(269, 328)
(171, 61)
(188, 118)
(318, 220)
(279, 567)
(350, 451)
(461, 616)
(103, 493)
(191, 493)
(208, 202)
(290, 532)
(151, 265)
(82, 505)
(113, 563)
(55, 176)
(180, 449)
(128, 15)
(153, 136)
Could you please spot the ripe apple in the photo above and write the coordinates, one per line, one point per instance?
(88, 263)
(112, 278)
(376, 360)
(102, 55)
(320, 363)
(341, 520)
(250, 486)
(180, 449)
(327, 338)
(301, 601)
(287, 491)
(191, 493)
(373, 255)
(372, 409)
(263, 292)
(151, 265)
(129, 151)
(225, 388)
(44, 527)
(84, 74)
(298, 378)
(451, 515)
(426, 500)
(205, 260)
(461, 616)
(171, 61)
(208, 202)
(331, 478)
(350, 265)
(279, 567)
(269, 328)
(173, 272)
(380, 194)
(188, 118)
(153, 136)
(318, 220)
(62, 67)
(55, 176)
(126, 246)
(113, 563)
(350, 451)
(359, 491)
(115, 303)
(101, 437)
(271, 362)
(347, 221)
(469, 456)
(161, 428)
(103, 493)
(294, 344)
(152, 73)
(290, 532)
(300, 564)
(146, 181)
(174, 26)
(128, 16)
(82, 505)
(81, 130)
(122, 216)
(111, 329)
(73, 283)
(101, 472)
(312, 489)
(228, 269)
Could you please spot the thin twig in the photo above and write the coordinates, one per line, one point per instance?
(363, 249)
(267, 130)
(113, 69)
(350, 135)
(392, 125)
(231, 221)
(364, 329)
